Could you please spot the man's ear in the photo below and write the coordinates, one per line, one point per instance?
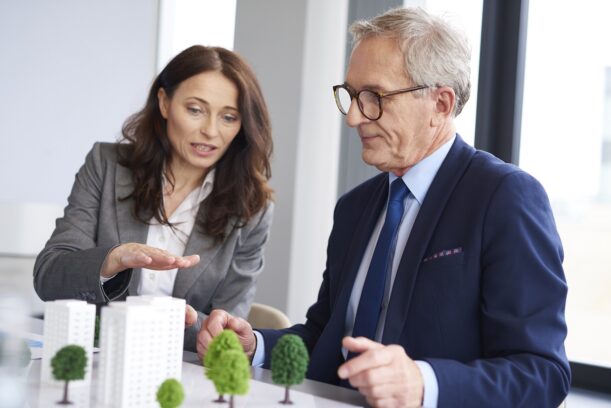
(445, 100)
(164, 102)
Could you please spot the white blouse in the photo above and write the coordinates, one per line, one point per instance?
(173, 239)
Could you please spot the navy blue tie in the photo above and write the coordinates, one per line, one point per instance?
(372, 296)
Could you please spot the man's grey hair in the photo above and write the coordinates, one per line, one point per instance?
(435, 53)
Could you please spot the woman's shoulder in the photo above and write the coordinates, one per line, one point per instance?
(107, 152)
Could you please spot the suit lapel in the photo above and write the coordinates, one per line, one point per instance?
(441, 188)
(200, 244)
(326, 356)
(370, 214)
(130, 228)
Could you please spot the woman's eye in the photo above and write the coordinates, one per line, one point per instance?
(229, 118)
(194, 110)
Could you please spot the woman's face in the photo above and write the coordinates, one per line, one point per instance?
(202, 120)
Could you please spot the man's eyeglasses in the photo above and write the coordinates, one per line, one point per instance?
(369, 102)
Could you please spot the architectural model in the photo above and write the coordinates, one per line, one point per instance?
(141, 342)
(67, 322)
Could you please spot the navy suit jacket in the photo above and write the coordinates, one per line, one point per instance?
(479, 293)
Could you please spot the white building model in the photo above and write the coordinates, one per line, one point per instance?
(141, 342)
(67, 322)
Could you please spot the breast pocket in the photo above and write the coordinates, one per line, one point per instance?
(443, 261)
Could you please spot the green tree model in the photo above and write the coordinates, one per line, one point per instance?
(68, 365)
(289, 363)
(231, 374)
(226, 340)
(170, 394)
(96, 333)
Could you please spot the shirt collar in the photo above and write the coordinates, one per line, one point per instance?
(195, 197)
(419, 178)
(206, 187)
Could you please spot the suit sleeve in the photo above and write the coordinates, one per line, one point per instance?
(69, 265)
(523, 294)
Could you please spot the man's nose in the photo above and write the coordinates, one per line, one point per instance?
(354, 116)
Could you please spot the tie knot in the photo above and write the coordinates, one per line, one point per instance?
(398, 190)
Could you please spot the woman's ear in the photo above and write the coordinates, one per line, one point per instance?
(164, 101)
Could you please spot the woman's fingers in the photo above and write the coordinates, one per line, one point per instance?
(134, 255)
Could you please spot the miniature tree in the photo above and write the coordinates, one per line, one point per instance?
(170, 394)
(231, 374)
(69, 364)
(96, 333)
(289, 363)
(226, 340)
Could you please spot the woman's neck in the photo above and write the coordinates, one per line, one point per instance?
(185, 178)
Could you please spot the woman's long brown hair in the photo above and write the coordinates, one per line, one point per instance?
(240, 183)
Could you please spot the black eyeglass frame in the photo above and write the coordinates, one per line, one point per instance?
(356, 94)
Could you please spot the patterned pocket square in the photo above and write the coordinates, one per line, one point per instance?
(441, 254)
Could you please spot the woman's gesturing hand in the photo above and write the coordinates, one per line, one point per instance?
(133, 255)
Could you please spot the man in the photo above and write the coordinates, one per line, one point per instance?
(444, 283)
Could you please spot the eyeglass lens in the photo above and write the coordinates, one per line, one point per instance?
(367, 101)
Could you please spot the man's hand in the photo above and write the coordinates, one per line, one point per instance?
(385, 375)
(134, 255)
(216, 323)
(190, 316)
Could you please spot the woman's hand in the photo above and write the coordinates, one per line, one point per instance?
(133, 255)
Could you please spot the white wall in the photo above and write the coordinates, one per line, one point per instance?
(71, 72)
(297, 50)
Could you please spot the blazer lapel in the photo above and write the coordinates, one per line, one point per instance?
(130, 229)
(207, 249)
(326, 356)
(370, 214)
(441, 188)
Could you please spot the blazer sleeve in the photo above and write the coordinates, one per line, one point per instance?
(69, 265)
(523, 293)
(237, 290)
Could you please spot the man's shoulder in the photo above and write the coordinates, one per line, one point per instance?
(488, 170)
(366, 188)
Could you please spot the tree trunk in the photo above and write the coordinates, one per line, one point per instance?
(65, 401)
(220, 399)
(287, 399)
(231, 401)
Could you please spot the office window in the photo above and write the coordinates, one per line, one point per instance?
(187, 22)
(566, 144)
(467, 15)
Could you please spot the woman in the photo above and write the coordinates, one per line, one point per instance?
(182, 207)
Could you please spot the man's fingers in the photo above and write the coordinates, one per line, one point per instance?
(190, 316)
(217, 322)
(238, 325)
(203, 340)
(372, 377)
(375, 355)
(359, 344)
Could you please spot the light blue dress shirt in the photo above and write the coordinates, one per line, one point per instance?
(418, 179)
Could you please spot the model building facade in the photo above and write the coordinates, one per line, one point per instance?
(67, 322)
(141, 342)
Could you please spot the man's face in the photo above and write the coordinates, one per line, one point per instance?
(405, 133)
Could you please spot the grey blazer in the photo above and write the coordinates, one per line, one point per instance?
(95, 221)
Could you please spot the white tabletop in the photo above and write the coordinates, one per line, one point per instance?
(199, 391)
